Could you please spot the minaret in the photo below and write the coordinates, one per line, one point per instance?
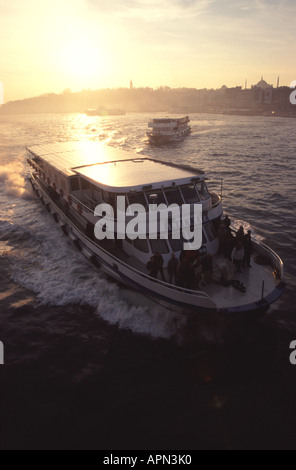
(131, 85)
(278, 82)
(246, 82)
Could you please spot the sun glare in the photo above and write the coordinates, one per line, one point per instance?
(82, 60)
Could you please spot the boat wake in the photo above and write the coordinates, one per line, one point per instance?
(13, 181)
(45, 263)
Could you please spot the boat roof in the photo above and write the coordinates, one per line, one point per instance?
(167, 120)
(113, 168)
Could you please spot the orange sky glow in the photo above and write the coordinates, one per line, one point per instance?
(80, 44)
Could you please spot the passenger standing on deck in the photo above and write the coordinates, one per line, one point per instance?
(197, 270)
(238, 255)
(189, 275)
(159, 264)
(227, 221)
(240, 233)
(172, 268)
(181, 273)
(207, 267)
(152, 267)
(228, 246)
(248, 249)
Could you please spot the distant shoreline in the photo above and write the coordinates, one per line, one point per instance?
(147, 111)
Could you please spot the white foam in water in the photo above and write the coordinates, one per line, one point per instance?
(59, 275)
(47, 263)
(12, 181)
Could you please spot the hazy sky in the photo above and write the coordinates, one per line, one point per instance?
(47, 46)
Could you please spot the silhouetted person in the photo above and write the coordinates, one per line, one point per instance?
(197, 269)
(248, 248)
(159, 264)
(152, 267)
(238, 253)
(182, 255)
(229, 245)
(188, 275)
(181, 273)
(172, 268)
(207, 267)
(240, 233)
(222, 235)
(202, 252)
(227, 221)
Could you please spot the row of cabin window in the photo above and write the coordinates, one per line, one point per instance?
(161, 245)
(58, 179)
(192, 193)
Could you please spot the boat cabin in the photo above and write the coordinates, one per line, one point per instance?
(86, 177)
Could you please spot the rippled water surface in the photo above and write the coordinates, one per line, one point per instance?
(88, 367)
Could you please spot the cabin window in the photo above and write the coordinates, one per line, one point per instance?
(141, 245)
(74, 183)
(155, 197)
(96, 194)
(159, 246)
(110, 198)
(63, 183)
(173, 196)
(203, 190)
(209, 230)
(84, 184)
(137, 198)
(189, 193)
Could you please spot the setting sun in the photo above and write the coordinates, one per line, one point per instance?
(82, 60)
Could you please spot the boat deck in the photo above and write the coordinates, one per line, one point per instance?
(224, 296)
(252, 278)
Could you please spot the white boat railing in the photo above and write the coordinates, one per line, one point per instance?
(279, 265)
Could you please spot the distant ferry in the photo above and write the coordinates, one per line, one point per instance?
(166, 130)
(102, 111)
(72, 179)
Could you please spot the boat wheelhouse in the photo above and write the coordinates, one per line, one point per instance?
(72, 179)
(165, 130)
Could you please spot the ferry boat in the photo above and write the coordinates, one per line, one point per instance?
(164, 130)
(72, 179)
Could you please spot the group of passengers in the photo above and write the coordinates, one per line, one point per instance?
(192, 268)
(195, 267)
(236, 247)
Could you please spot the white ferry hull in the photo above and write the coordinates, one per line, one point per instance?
(170, 296)
(163, 139)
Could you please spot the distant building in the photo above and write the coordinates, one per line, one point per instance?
(262, 84)
(236, 98)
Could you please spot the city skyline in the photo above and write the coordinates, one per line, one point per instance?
(82, 44)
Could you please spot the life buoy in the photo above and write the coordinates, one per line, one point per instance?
(61, 193)
(79, 208)
(69, 200)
